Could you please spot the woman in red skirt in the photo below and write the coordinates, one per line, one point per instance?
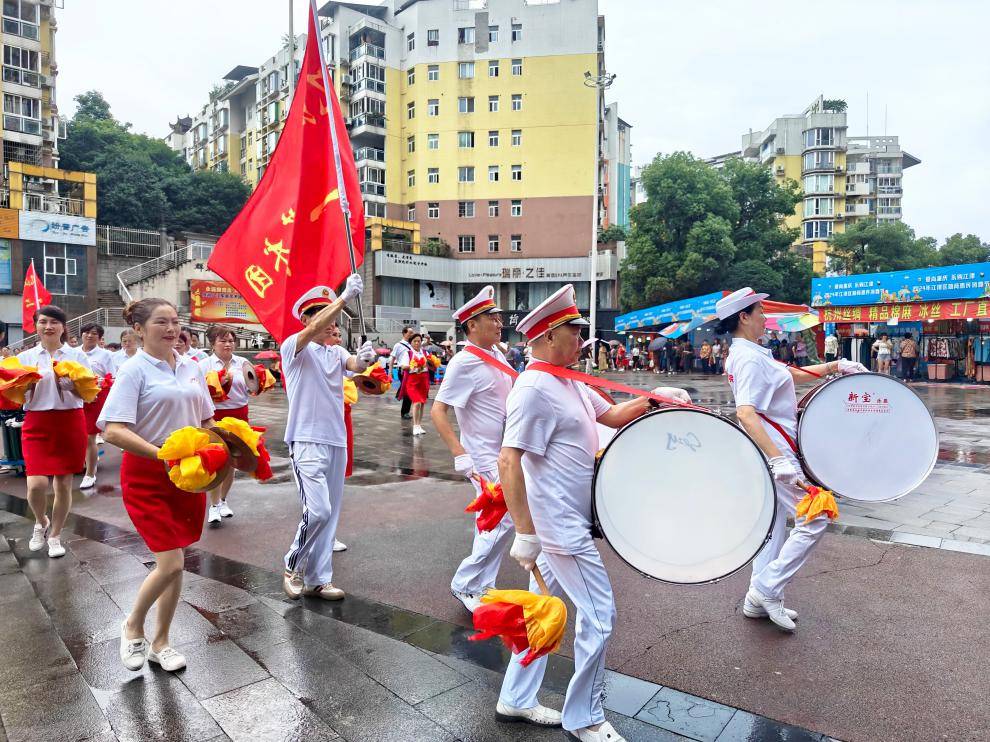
(101, 361)
(223, 342)
(156, 393)
(54, 434)
(416, 381)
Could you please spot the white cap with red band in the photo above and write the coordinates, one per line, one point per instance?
(737, 301)
(318, 296)
(483, 302)
(559, 309)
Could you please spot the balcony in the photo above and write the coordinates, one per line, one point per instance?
(889, 190)
(53, 204)
(17, 76)
(366, 154)
(857, 209)
(859, 189)
(367, 50)
(368, 124)
(22, 124)
(370, 85)
(20, 28)
(369, 188)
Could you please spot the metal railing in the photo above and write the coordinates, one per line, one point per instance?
(367, 50)
(369, 153)
(144, 271)
(368, 119)
(127, 242)
(100, 316)
(51, 204)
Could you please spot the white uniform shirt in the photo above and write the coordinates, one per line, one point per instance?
(197, 354)
(100, 360)
(155, 401)
(314, 382)
(553, 421)
(44, 395)
(477, 392)
(119, 358)
(764, 384)
(238, 394)
(400, 353)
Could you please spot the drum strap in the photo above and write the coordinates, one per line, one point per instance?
(779, 428)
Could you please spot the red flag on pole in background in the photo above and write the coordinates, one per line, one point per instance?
(35, 296)
(291, 234)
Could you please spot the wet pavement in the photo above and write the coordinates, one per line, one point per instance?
(880, 620)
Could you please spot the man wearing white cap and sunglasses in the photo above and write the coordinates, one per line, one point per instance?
(546, 465)
(766, 407)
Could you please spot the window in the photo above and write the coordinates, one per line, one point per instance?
(20, 18)
(20, 66)
(411, 76)
(465, 35)
(433, 37)
(465, 174)
(396, 292)
(493, 243)
(819, 138)
(819, 183)
(517, 32)
(517, 172)
(410, 43)
(465, 243)
(492, 34)
(517, 137)
(493, 173)
(492, 104)
(465, 139)
(516, 243)
(465, 105)
(823, 160)
(493, 208)
(433, 107)
(60, 269)
(465, 70)
(465, 209)
(410, 110)
(433, 141)
(433, 175)
(411, 144)
(411, 213)
(433, 72)
(517, 102)
(819, 206)
(493, 68)
(516, 208)
(411, 178)
(21, 114)
(493, 138)
(433, 210)
(817, 230)
(516, 66)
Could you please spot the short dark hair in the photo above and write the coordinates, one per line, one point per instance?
(184, 336)
(407, 328)
(89, 326)
(414, 336)
(56, 313)
(217, 332)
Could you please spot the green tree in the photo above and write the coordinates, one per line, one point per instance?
(959, 250)
(875, 247)
(92, 105)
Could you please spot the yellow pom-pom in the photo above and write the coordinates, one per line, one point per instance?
(815, 503)
(242, 430)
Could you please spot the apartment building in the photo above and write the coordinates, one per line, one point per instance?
(617, 193)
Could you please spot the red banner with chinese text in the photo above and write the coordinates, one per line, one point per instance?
(290, 237)
(911, 312)
(218, 301)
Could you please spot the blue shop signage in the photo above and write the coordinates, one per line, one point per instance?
(923, 284)
(664, 314)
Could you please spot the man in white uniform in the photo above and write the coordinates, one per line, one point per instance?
(317, 438)
(477, 391)
(546, 466)
(399, 358)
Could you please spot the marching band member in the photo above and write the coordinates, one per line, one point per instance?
(397, 359)
(766, 407)
(477, 392)
(101, 361)
(53, 437)
(415, 387)
(546, 465)
(128, 348)
(314, 430)
(223, 342)
(154, 394)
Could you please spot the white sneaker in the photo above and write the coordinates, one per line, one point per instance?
(606, 733)
(539, 716)
(168, 659)
(87, 482)
(133, 652)
(55, 548)
(292, 584)
(470, 600)
(774, 608)
(418, 430)
(214, 518)
(39, 536)
(339, 545)
(99, 439)
(225, 510)
(753, 608)
(326, 592)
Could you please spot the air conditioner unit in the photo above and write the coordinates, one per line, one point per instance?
(840, 217)
(780, 150)
(838, 168)
(780, 169)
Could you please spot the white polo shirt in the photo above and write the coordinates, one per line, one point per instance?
(238, 395)
(477, 392)
(119, 358)
(197, 354)
(764, 384)
(553, 421)
(155, 401)
(100, 360)
(400, 353)
(44, 395)
(314, 382)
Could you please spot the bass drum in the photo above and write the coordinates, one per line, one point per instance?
(850, 425)
(684, 496)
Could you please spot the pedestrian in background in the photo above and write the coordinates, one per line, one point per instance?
(909, 356)
(706, 357)
(602, 358)
(831, 347)
(800, 352)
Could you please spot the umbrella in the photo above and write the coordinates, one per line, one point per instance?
(446, 343)
(796, 322)
(674, 331)
(657, 343)
(613, 343)
(267, 355)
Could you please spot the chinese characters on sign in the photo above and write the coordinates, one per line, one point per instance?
(72, 230)
(218, 301)
(970, 281)
(915, 312)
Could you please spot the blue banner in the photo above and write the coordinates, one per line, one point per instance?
(662, 315)
(922, 284)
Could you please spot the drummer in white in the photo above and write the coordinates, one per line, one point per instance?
(766, 407)
(477, 392)
(546, 464)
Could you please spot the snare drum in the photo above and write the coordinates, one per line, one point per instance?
(866, 437)
(684, 496)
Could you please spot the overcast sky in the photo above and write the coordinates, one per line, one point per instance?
(691, 76)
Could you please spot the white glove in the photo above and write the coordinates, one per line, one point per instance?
(464, 464)
(783, 470)
(367, 353)
(525, 548)
(353, 288)
(673, 392)
(851, 367)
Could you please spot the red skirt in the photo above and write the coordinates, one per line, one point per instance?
(416, 387)
(166, 517)
(54, 442)
(349, 427)
(93, 410)
(241, 413)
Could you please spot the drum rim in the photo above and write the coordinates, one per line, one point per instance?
(597, 526)
(814, 392)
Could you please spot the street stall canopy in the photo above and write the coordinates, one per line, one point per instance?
(685, 315)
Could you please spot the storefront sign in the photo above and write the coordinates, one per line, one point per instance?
(218, 301)
(8, 224)
(6, 277)
(664, 314)
(970, 281)
(71, 230)
(495, 270)
(434, 295)
(914, 312)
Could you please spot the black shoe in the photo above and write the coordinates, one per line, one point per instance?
(407, 417)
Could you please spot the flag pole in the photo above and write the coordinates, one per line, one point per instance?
(37, 298)
(335, 147)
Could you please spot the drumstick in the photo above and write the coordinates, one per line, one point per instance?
(539, 580)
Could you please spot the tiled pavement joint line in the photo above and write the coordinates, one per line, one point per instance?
(906, 538)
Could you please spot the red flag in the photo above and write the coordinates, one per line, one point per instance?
(35, 296)
(290, 237)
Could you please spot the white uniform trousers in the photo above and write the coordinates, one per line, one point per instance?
(581, 578)
(479, 570)
(319, 473)
(780, 559)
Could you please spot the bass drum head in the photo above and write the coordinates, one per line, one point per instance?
(684, 496)
(867, 437)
